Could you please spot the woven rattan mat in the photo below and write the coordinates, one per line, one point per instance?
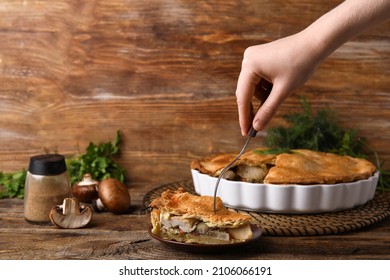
(372, 212)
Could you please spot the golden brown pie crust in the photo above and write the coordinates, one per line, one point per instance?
(301, 166)
(182, 203)
(212, 165)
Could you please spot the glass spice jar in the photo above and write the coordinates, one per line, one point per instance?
(47, 184)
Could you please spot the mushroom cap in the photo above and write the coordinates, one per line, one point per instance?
(114, 195)
(85, 190)
(70, 214)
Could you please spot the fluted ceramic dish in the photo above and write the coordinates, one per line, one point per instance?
(288, 199)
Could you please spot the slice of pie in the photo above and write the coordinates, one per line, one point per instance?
(181, 216)
(298, 166)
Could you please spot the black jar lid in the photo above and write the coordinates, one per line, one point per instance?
(47, 164)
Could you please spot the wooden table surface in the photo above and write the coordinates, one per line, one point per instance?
(119, 237)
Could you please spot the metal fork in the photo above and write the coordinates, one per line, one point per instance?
(265, 88)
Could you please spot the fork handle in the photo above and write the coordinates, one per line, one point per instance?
(252, 132)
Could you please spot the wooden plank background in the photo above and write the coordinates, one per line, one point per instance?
(165, 73)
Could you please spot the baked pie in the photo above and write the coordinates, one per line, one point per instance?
(299, 166)
(181, 216)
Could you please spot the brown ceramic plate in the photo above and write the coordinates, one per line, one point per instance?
(206, 248)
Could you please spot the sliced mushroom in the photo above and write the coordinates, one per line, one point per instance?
(114, 195)
(86, 190)
(70, 214)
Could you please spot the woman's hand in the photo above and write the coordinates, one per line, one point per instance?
(286, 63)
(289, 62)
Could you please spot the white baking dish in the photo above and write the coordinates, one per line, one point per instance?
(291, 199)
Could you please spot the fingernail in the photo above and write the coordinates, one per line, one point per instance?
(257, 125)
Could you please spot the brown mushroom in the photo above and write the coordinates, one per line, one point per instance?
(114, 195)
(86, 190)
(70, 214)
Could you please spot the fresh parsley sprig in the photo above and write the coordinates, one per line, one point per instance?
(12, 184)
(98, 160)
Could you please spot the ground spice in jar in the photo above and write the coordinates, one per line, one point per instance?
(47, 184)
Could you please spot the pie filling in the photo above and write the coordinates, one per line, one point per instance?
(192, 230)
(247, 173)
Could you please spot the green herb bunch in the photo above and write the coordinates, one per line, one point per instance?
(320, 132)
(98, 160)
(12, 184)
